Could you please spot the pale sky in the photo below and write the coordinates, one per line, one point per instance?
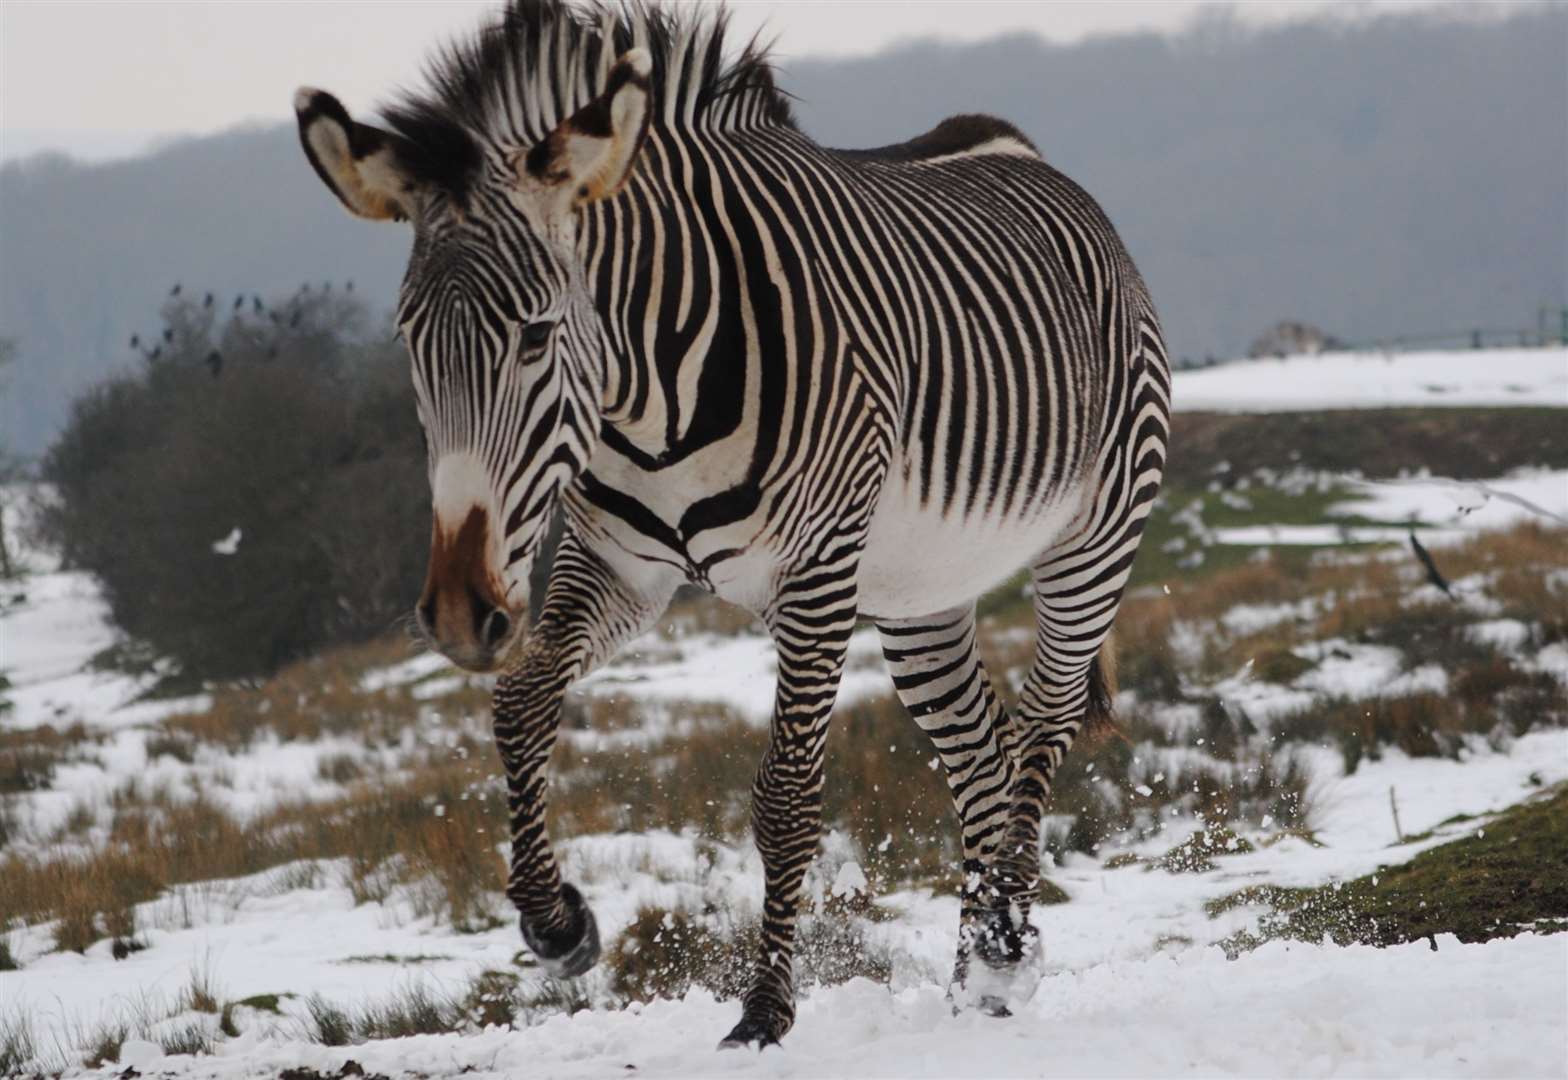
(105, 79)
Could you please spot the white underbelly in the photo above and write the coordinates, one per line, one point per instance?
(918, 562)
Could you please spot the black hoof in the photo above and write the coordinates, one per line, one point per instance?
(570, 952)
(750, 1032)
(995, 1006)
(1000, 944)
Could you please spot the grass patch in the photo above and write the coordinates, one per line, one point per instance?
(329, 1024)
(664, 954)
(191, 1039)
(1197, 853)
(1467, 443)
(1506, 877)
(1281, 667)
(16, 1044)
(414, 1010)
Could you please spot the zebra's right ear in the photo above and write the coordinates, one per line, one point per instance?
(364, 166)
(590, 154)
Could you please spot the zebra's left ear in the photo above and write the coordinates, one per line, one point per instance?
(590, 154)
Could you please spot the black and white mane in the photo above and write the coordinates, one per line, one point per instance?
(511, 83)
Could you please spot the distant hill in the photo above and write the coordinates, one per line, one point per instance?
(1401, 174)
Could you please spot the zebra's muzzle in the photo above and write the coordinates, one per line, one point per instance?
(461, 610)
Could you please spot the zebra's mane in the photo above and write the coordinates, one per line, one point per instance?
(510, 84)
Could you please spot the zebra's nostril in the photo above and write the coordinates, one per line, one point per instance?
(495, 629)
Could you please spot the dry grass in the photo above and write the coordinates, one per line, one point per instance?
(664, 954)
(431, 831)
(29, 758)
(320, 696)
(436, 829)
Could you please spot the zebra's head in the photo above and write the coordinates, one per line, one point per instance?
(508, 351)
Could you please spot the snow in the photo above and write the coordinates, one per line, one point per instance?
(1441, 511)
(1133, 973)
(738, 671)
(229, 544)
(1523, 377)
(1463, 1010)
(1323, 535)
(849, 881)
(1492, 504)
(1135, 983)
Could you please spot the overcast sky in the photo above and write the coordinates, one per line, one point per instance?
(104, 79)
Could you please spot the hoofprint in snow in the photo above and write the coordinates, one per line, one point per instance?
(1376, 380)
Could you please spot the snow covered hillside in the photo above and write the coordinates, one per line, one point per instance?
(1329, 843)
(1373, 380)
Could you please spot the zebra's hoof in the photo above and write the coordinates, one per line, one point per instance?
(570, 952)
(752, 1031)
(1011, 965)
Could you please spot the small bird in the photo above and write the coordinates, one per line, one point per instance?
(215, 362)
(256, 304)
(168, 334)
(239, 301)
(136, 341)
(229, 544)
(348, 286)
(1433, 574)
(176, 290)
(206, 301)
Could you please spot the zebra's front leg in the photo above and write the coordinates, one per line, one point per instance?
(812, 637)
(588, 613)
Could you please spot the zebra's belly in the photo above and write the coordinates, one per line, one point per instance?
(919, 561)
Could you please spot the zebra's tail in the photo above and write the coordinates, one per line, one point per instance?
(1099, 719)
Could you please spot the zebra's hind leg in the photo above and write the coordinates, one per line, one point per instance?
(939, 677)
(1069, 686)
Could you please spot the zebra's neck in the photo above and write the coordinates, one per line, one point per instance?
(661, 286)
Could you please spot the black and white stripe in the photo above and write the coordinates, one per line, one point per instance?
(827, 385)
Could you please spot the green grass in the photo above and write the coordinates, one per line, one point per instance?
(1505, 877)
(1269, 506)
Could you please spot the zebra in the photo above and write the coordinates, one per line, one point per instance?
(828, 386)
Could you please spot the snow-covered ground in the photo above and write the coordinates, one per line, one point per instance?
(1491, 1010)
(1135, 986)
(1372, 380)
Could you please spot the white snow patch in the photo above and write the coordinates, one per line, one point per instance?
(1526, 377)
(1502, 634)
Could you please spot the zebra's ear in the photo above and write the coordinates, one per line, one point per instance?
(590, 154)
(364, 166)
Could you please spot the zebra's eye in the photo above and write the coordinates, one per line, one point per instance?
(536, 335)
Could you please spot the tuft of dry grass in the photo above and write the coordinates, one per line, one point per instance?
(435, 827)
(664, 954)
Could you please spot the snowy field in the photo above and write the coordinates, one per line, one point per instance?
(1243, 693)
(1373, 380)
